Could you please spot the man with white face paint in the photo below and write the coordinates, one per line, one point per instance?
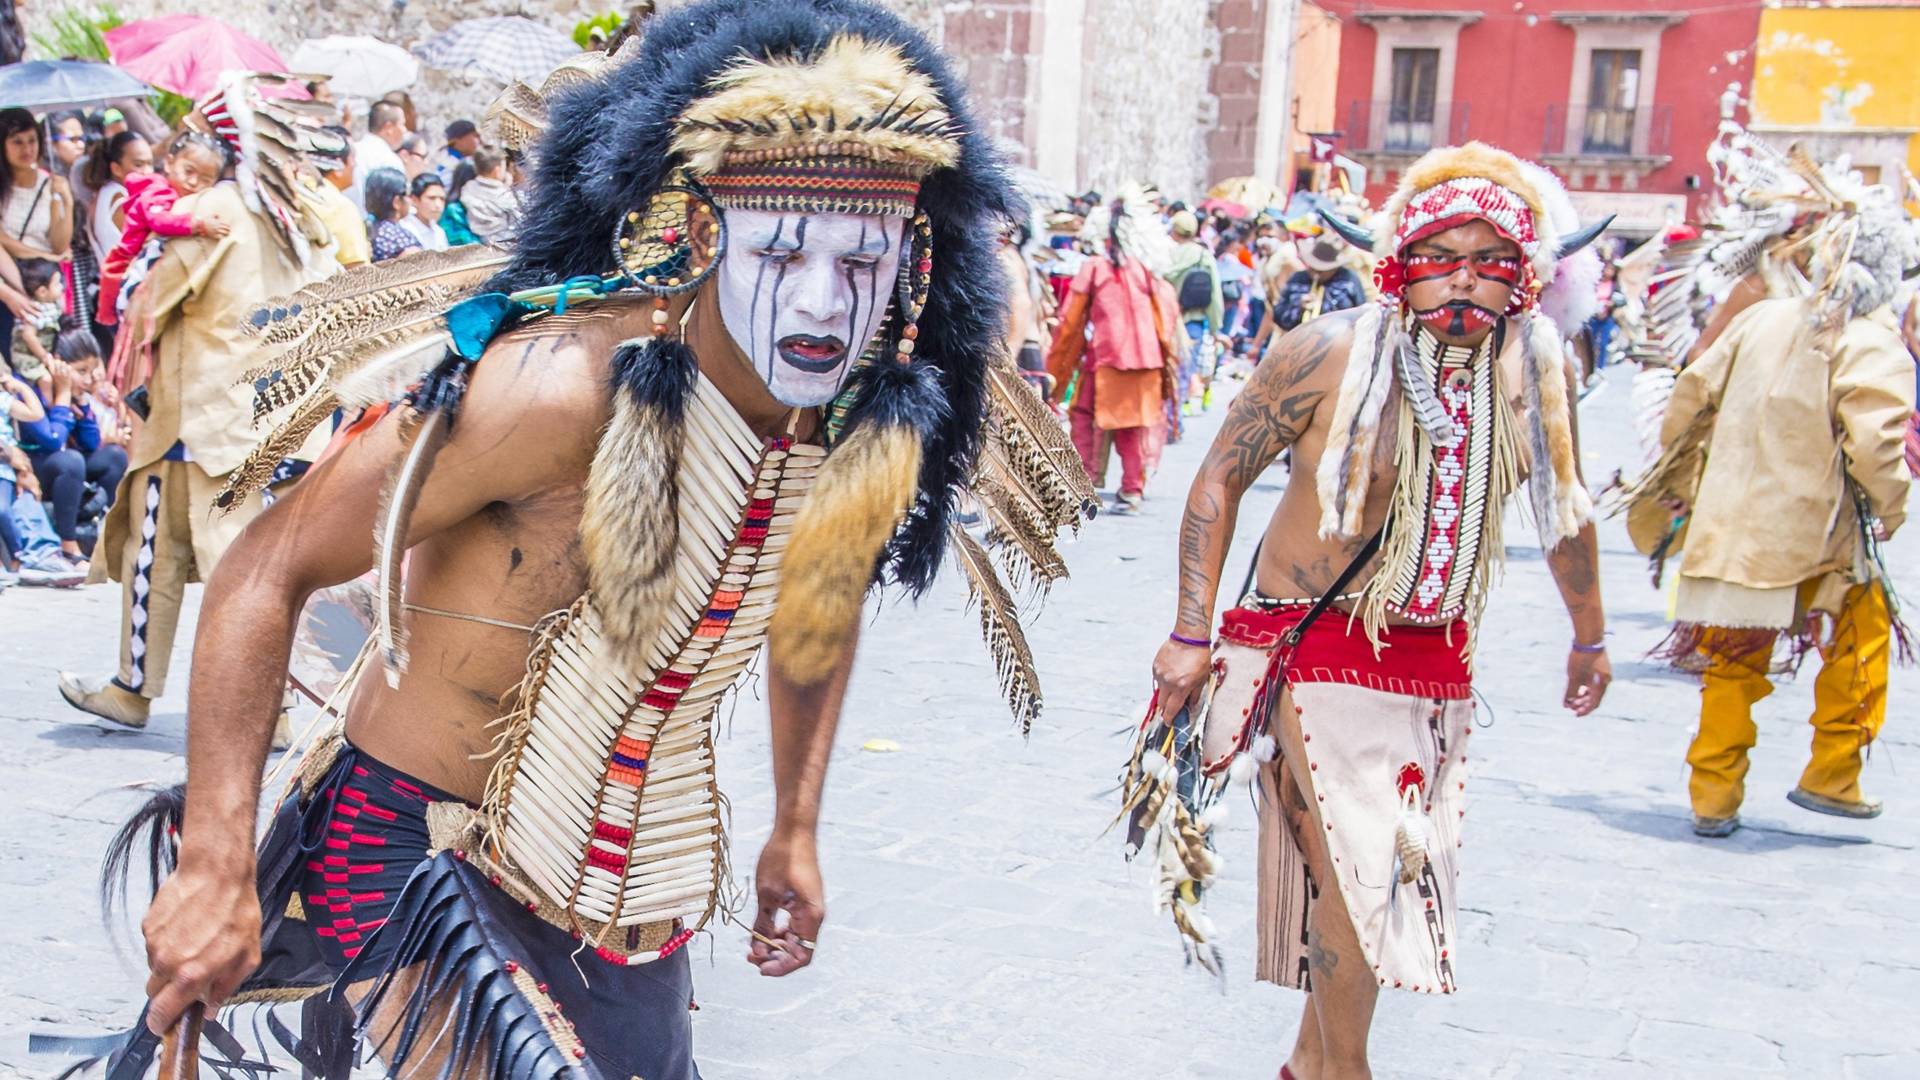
(734, 347)
(804, 294)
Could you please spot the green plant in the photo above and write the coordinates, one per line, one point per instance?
(77, 32)
(171, 106)
(606, 23)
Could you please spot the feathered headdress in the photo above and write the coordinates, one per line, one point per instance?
(1804, 228)
(271, 139)
(1444, 189)
(1130, 222)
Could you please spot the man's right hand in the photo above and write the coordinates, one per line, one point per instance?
(1178, 672)
(203, 940)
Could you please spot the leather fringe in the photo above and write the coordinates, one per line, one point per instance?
(439, 925)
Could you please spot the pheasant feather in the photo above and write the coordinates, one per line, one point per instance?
(1000, 626)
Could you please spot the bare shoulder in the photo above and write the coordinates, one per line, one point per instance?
(1311, 357)
(547, 382)
(1283, 399)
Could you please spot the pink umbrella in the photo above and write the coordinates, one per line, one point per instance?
(187, 53)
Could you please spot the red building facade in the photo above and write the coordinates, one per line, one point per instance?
(1620, 97)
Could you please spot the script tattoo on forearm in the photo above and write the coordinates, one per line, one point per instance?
(1196, 541)
(1268, 416)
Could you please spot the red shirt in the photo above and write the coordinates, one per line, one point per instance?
(1120, 313)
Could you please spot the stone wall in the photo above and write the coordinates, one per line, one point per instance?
(1147, 106)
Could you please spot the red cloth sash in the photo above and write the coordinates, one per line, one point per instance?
(1415, 661)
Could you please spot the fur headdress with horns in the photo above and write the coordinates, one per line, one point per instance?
(1444, 189)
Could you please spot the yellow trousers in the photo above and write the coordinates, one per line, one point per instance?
(1849, 706)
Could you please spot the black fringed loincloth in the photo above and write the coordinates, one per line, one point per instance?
(352, 897)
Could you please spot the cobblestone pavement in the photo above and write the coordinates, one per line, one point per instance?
(981, 926)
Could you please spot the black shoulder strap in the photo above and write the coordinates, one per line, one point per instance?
(27, 222)
(1366, 554)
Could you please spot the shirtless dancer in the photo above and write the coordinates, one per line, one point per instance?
(446, 836)
(1468, 236)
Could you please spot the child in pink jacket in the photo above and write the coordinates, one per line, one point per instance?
(194, 165)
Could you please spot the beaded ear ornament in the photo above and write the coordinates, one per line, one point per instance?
(653, 248)
(916, 274)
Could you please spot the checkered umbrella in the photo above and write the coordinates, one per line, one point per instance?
(502, 47)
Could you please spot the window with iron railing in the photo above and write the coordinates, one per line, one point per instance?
(1410, 110)
(1613, 100)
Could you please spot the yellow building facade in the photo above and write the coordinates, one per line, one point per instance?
(1842, 79)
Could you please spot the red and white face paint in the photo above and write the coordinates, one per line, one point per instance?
(1458, 290)
(1459, 281)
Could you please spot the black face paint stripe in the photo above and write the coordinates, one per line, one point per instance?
(853, 301)
(773, 315)
(759, 279)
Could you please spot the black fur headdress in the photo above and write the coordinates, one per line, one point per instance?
(608, 149)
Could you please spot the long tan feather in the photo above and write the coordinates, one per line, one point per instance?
(1019, 529)
(382, 376)
(1000, 626)
(1036, 441)
(390, 539)
(359, 294)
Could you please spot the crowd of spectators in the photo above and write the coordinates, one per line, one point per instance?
(88, 202)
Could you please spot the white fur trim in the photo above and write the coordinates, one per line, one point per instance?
(1266, 748)
(1354, 427)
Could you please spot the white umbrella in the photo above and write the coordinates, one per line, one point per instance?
(505, 48)
(357, 67)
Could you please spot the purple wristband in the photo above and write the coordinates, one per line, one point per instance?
(1198, 643)
(1597, 647)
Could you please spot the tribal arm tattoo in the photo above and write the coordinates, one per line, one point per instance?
(1267, 417)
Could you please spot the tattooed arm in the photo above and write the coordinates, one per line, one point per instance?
(1575, 564)
(1267, 417)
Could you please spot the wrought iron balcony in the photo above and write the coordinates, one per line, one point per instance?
(1599, 131)
(1404, 127)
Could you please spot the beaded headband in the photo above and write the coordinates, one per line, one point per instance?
(828, 178)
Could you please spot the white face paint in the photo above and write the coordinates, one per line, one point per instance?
(803, 294)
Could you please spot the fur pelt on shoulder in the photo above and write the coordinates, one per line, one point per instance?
(607, 149)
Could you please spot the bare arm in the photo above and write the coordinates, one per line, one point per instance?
(24, 405)
(60, 218)
(1268, 416)
(11, 291)
(1575, 565)
(203, 928)
(804, 719)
